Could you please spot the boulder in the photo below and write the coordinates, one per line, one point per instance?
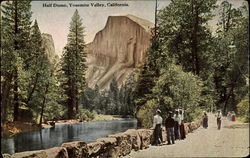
(124, 143)
(135, 139)
(107, 141)
(76, 149)
(95, 148)
(56, 152)
(146, 136)
(6, 156)
(108, 147)
(30, 154)
(186, 127)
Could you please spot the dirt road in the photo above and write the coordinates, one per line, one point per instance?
(231, 141)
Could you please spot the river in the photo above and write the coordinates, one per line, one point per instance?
(61, 133)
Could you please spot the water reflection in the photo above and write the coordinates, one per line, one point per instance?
(52, 137)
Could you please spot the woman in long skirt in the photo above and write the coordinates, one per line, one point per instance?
(182, 128)
(205, 120)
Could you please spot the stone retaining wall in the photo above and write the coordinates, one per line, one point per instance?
(112, 146)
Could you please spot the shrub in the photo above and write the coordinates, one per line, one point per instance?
(178, 89)
(243, 109)
(84, 114)
(146, 113)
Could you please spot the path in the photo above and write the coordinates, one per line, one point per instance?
(231, 141)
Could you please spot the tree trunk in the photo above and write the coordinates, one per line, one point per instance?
(43, 105)
(194, 42)
(5, 87)
(33, 89)
(16, 100)
(70, 103)
(229, 95)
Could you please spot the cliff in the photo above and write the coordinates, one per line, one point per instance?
(48, 44)
(117, 50)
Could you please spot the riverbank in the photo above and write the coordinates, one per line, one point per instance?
(11, 128)
(113, 145)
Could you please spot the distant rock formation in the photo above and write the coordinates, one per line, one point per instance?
(48, 44)
(117, 50)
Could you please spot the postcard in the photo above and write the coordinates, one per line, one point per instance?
(124, 78)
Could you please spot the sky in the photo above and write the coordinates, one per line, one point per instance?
(55, 20)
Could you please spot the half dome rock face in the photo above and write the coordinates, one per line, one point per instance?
(48, 44)
(117, 50)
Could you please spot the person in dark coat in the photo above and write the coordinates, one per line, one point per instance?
(205, 120)
(169, 124)
(219, 116)
(177, 119)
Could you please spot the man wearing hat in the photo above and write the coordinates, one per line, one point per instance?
(219, 115)
(169, 124)
(157, 127)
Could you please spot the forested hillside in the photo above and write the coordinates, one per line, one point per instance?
(188, 66)
(193, 67)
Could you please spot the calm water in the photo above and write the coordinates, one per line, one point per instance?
(52, 137)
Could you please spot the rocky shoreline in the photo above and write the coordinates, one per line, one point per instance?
(12, 128)
(112, 146)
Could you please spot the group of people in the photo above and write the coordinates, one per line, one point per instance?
(218, 118)
(174, 127)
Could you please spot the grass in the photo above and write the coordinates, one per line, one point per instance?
(101, 117)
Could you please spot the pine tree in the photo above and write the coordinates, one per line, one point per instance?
(41, 74)
(232, 56)
(73, 64)
(16, 21)
(184, 34)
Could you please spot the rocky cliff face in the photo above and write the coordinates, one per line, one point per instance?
(117, 50)
(48, 44)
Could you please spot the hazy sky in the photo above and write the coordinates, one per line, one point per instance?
(55, 20)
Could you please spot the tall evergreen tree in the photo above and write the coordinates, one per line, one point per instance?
(16, 21)
(41, 78)
(73, 64)
(231, 70)
(184, 34)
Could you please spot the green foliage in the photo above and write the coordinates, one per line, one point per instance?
(28, 77)
(16, 21)
(114, 101)
(184, 35)
(174, 89)
(84, 114)
(232, 59)
(146, 113)
(243, 108)
(73, 64)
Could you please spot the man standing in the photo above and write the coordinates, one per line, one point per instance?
(177, 119)
(157, 127)
(169, 124)
(219, 115)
